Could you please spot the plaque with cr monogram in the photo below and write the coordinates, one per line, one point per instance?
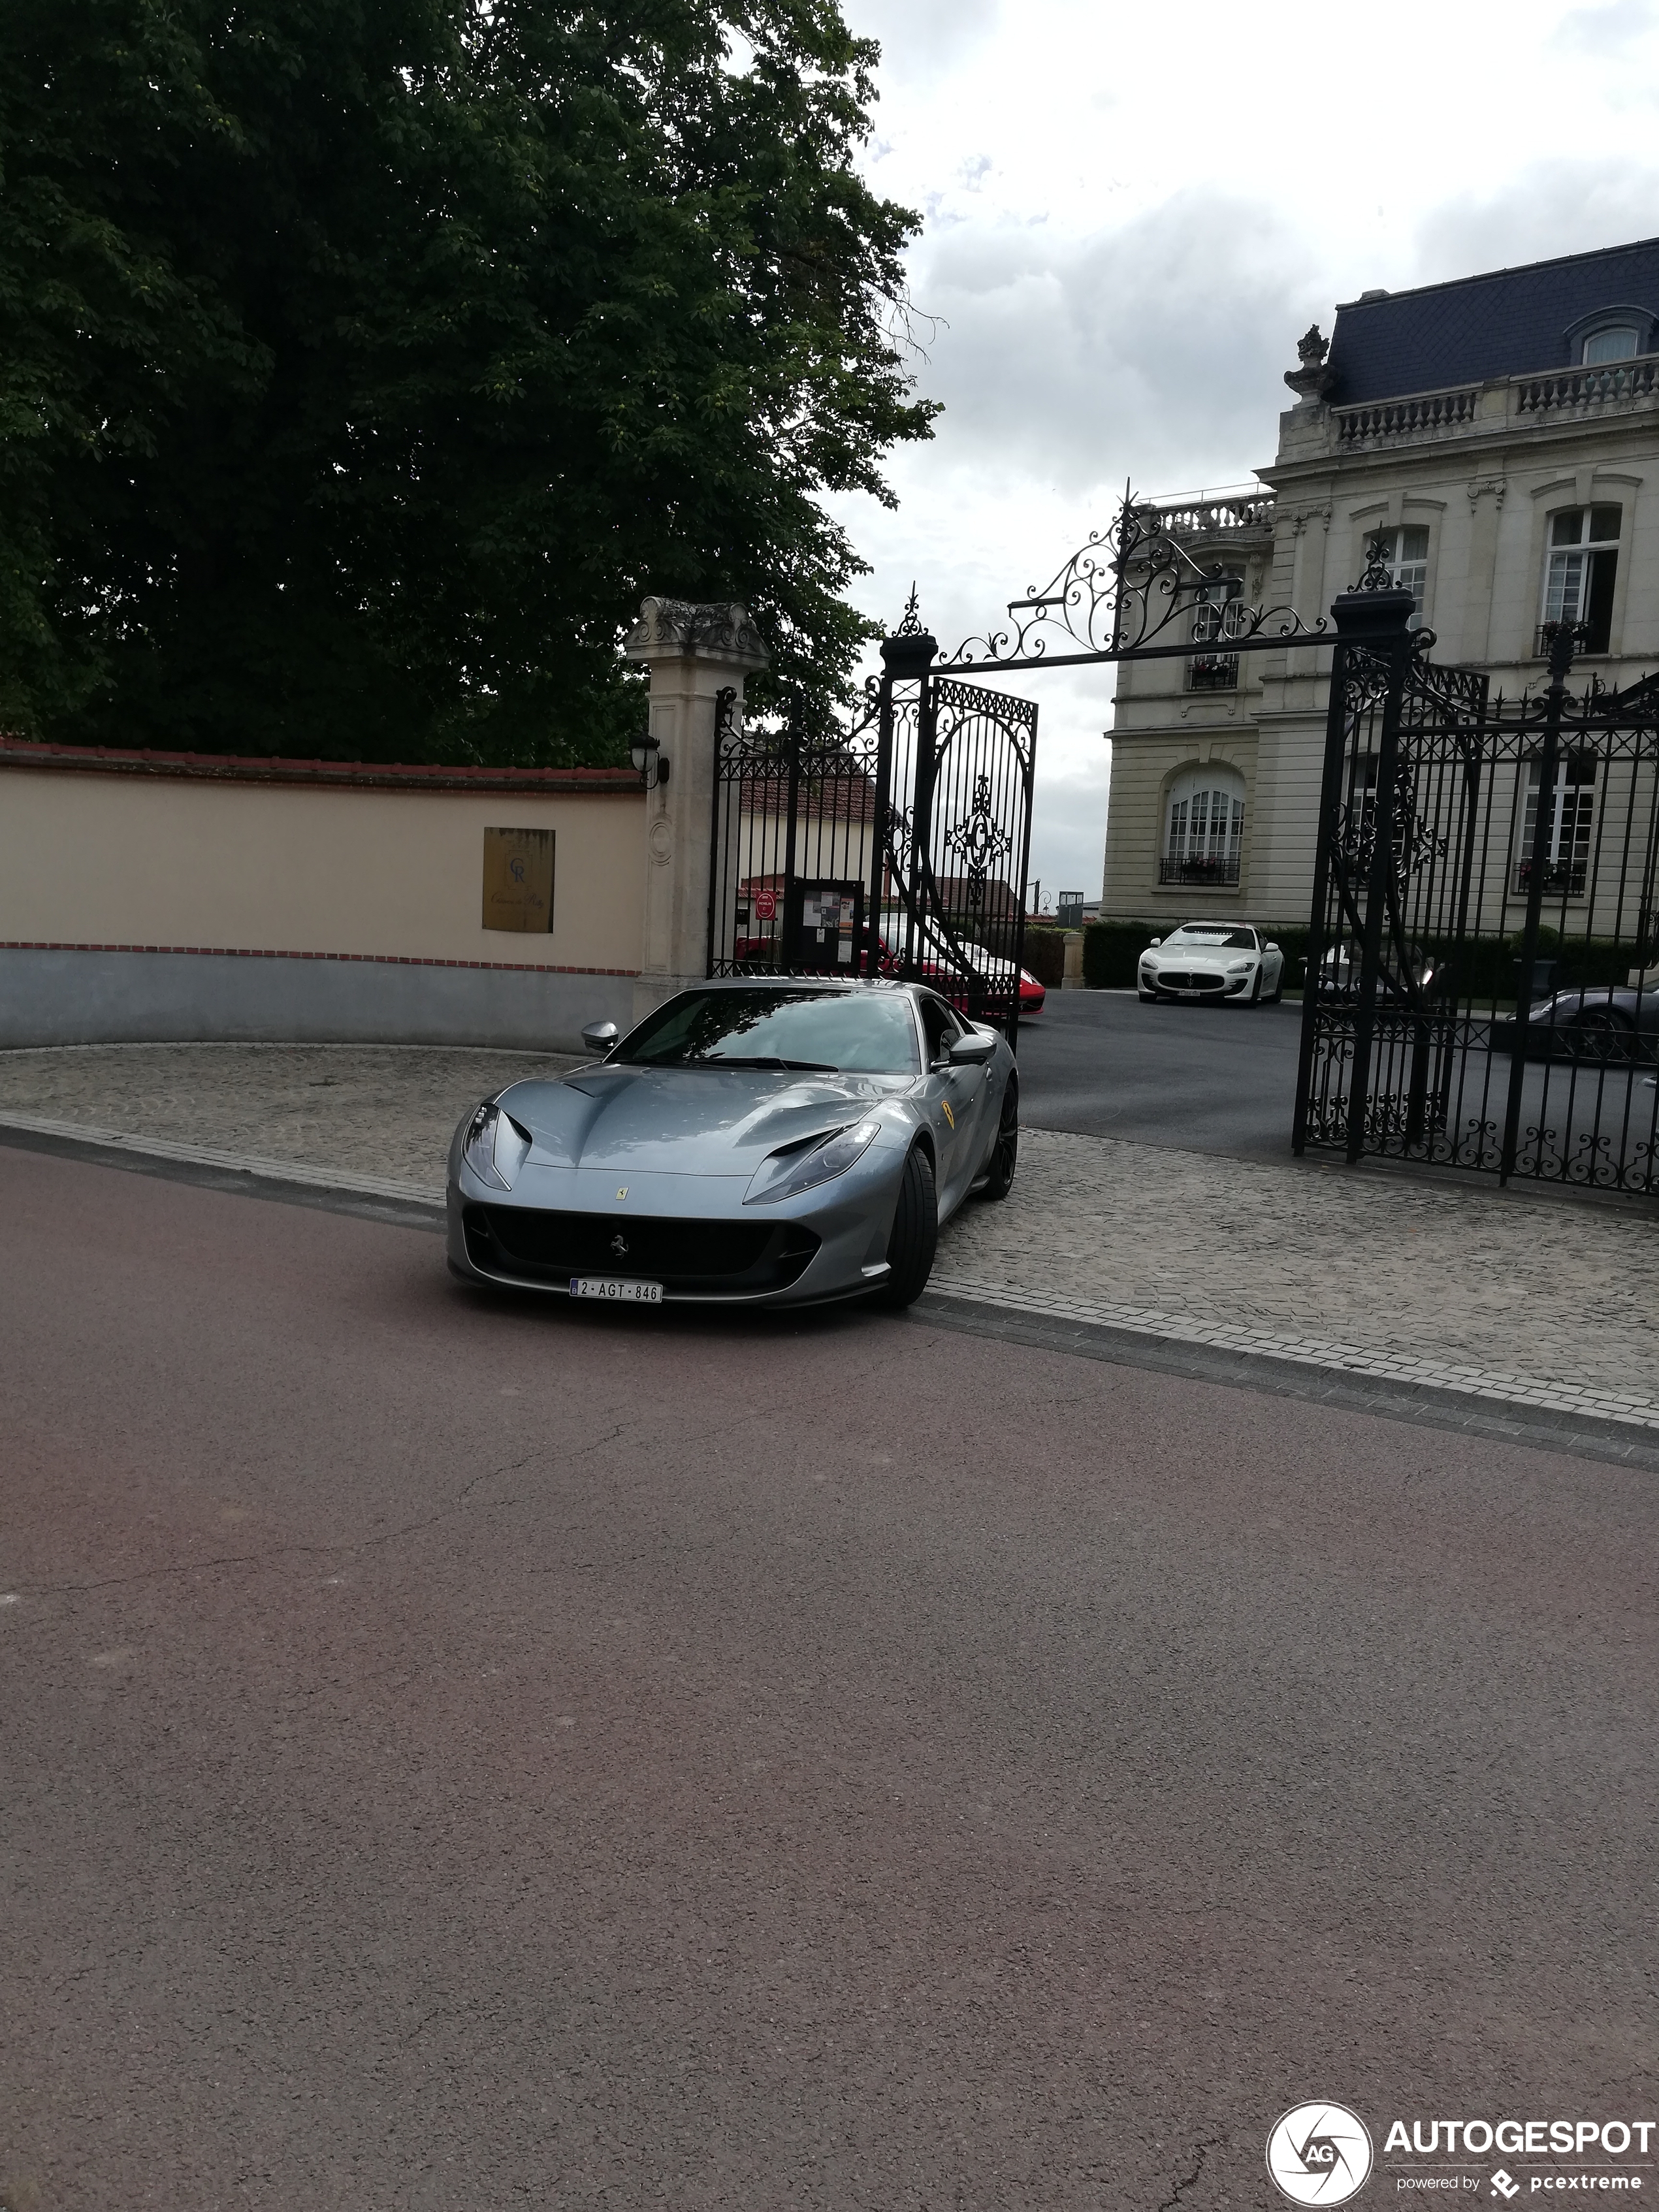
(517, 879)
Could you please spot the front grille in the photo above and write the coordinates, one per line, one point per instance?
(1175, 979)
(686, 1257)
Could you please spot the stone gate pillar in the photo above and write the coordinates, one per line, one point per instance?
(693, 653)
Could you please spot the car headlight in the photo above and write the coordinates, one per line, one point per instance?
(495, 1146)
(1241, 967)
(817, 1163)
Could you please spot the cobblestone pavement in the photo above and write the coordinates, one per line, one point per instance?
(386, 1110)
(1540, 1290)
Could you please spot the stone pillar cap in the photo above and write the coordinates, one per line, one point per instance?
(722, 632)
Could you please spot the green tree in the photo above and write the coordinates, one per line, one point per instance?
(363, 362)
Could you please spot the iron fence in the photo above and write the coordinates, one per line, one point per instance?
(1481, 988)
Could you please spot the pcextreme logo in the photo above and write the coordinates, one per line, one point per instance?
(1320, 2153)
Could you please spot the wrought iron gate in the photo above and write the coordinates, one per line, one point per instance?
(1478, 988)
(897, 845)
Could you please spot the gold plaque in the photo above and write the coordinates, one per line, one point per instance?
(517, 879)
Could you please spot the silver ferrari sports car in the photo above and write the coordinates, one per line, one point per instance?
(755, 1142)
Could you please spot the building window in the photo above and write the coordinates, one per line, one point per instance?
(1572, 814)
(1405, 554)
(1218, 615)
(1619, 343)
(1359, 824)
(1203, 827)
(1578, 579)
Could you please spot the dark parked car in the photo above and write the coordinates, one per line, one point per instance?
(1603, 1021)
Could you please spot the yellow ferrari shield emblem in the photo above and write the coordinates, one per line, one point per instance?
(623, 1193)
(945, 1104)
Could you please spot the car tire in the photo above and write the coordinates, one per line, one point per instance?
(1254, 999)
(1610, 1034)
(1278, 989)
(915, 1237)
(998, 1179)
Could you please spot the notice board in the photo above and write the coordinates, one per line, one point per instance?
(517, 879)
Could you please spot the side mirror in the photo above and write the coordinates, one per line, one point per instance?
(1154, 944)
(972, 1050)
(1270, 948)
(599, 1036)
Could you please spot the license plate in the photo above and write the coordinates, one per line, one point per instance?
(620, 1288)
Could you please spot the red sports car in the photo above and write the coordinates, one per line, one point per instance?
(937, 969)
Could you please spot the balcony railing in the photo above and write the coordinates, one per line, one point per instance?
(1562, 878)
(1215, 518)
(1212, 672)
(1590, 639)
(1425, 415)
(1578, 390)
(1417, 417)
(1218, 872)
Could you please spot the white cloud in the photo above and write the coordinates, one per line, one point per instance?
(1153, 350)
(1607, 32)
(1548, 208)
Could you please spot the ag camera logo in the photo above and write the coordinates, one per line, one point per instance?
(1320, 2154)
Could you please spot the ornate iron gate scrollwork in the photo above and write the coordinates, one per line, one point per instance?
(897, 845)
(795, 824)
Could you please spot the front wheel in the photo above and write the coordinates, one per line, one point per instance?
(1604, 1033)
(1004, 1153)
(915, 1236)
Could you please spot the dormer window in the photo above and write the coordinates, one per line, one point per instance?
(1618, 341)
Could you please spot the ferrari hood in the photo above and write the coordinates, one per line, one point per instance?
(673, 1120)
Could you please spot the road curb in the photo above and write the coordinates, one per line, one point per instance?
(1581, 1434)
(293, 1182)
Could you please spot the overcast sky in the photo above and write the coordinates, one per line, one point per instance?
(1133, 213)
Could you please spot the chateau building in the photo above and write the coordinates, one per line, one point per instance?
(1499, 435)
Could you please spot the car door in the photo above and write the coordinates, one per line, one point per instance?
(955, 1097)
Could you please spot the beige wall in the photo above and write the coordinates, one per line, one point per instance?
(87, 859)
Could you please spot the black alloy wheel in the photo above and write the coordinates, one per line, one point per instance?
(915, 1237)
(1604, 1033)
(998, 1179)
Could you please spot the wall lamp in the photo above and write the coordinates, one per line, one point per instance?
(645, 753)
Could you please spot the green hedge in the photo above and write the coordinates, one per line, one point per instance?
(1488, 972)
(1045, 956)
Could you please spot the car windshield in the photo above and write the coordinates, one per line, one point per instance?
(862, 1032)
(1214, 932)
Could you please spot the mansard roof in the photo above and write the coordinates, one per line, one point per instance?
(1511, 322)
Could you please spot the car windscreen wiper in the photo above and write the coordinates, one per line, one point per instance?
(768, 1059)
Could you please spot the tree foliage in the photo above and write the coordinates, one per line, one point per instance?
(363, 362)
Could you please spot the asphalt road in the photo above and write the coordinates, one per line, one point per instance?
(462, 1754)
(1201, 1078)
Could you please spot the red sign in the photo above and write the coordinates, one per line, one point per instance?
(766, 906)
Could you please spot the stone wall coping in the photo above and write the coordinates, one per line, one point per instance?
(363, 775)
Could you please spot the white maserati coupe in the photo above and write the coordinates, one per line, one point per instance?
(1214, 960)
